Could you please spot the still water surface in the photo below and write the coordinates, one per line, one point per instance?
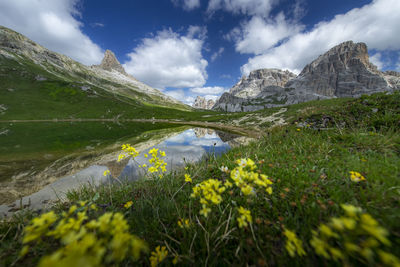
(181, 144)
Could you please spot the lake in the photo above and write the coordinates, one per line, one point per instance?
(40, 162)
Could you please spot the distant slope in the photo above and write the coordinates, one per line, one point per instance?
(36, 83)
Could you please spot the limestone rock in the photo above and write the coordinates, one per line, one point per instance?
(343, 71)
(210, 103)
(260, 80)
(201, 103)
(263, 88)
(110, 62)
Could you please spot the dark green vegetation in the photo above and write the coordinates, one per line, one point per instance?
(33, 146)
(309, 161)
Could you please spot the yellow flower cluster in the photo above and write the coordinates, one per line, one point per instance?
(91, 243)
(128, 204)
(157, 164)
(356, 177)
(293, 244)
(158, 255)
(188, 179)
(130, 150)
(106, 172)
(356, 234)
(245, 217)
(209, 192)
(184, 223)
(245, 178)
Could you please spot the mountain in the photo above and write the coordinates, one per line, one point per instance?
(343, 71)
(37, 83)
(110, 63)
(201, 103)
(263, 88)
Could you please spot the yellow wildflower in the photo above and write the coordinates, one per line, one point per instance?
(358, 233)
(389, 259)
(205, 211)
(245, 217)
(188, 179)
(356, 177)
(158, 255)
(350, 210)
(106, 172)
(293, 244)
(183, 223)
(128, 204)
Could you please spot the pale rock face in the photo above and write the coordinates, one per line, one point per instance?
(210, 103)
(263, 88)
(343, 71)
(259, 80)
(110, 62)
(201, 103)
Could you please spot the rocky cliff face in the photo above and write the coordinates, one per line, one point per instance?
(201, 103)
(343, 71)
(259, 80)
(109, 75)
(263, 88)
(110, 62)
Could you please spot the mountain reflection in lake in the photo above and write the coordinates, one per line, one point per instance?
(187, 146)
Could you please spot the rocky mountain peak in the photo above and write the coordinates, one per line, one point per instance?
(110, 62)
(259, 80)
(201, 103)
(343, 71)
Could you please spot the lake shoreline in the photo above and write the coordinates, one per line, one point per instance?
(218, 126)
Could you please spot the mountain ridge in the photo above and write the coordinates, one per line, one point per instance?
(15, 46)
(342, 71)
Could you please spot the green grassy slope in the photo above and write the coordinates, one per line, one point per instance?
(308, 161)
(25, 97)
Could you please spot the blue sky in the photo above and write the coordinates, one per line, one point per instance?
(202, 47)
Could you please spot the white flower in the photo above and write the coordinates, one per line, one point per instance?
(224, 169)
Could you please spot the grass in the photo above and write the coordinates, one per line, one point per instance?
(309, 167)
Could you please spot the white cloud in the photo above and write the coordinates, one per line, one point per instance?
(180, 95)
(187, 4)
(52, 24)
(214, 90)
(217, 54)
(97, 24)
(376, 59)
(213, 97)
(376, 24)
(170, 60)
(246, 7)
(258, 35)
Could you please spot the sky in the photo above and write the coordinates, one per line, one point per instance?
(187, 48)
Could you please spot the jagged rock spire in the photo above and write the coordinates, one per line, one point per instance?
(110, 62)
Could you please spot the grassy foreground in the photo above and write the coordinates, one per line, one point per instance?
(302, 221)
